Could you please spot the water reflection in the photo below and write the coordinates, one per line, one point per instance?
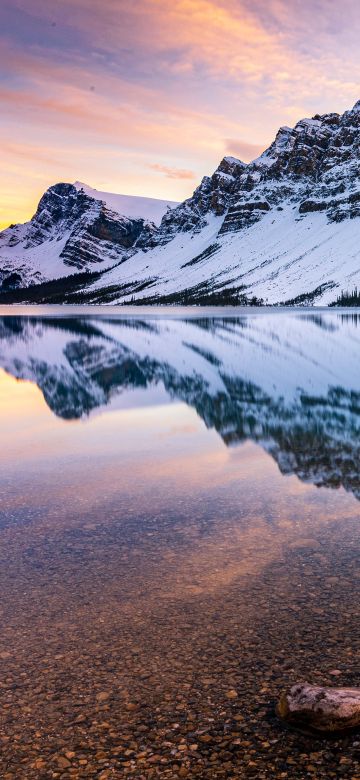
(148, 567)
(288, 382)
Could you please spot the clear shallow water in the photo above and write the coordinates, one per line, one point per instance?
(179, 519)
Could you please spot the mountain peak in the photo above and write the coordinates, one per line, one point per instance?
(230, 159)
(80, 185)
(131, 206)
(357, 106)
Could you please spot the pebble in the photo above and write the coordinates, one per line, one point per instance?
(121, 666)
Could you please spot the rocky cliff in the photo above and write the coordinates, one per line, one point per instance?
(75, 229)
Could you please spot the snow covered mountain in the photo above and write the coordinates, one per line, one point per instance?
(290, 383)
(76, 228)
(284, 228)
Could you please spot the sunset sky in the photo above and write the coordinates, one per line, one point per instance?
(146, 96)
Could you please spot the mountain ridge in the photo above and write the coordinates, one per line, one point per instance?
(283, 228)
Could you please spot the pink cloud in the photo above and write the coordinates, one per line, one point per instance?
(232, 39)
(242, 149)
(172, 173)
(156, 80)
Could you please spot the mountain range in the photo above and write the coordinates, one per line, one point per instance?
(283, 229)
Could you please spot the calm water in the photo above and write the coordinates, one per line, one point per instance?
(179, 525)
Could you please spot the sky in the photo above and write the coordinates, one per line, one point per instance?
(144, 97)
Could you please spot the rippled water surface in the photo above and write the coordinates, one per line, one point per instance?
(179, 523)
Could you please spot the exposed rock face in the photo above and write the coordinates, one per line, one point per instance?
(58, 211)
(318, 157)
(213, 196)
(92, 231)
(320, 708)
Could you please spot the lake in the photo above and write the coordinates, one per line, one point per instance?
(179, 524)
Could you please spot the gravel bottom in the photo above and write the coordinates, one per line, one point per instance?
(126, 653)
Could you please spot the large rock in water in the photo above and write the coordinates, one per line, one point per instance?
(320, 708)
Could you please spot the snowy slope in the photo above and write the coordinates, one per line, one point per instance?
(277, 259)
(133, 206)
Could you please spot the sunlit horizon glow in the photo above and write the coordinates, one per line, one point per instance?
(145, 98)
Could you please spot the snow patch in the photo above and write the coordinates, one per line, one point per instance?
(133, 206)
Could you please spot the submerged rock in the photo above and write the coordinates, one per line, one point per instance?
(320, 708)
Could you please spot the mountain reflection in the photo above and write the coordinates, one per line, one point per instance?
(289, 382)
